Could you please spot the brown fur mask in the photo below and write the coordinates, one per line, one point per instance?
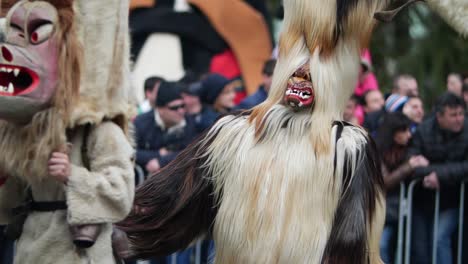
(26, 146)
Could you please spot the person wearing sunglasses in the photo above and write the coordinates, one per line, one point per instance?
(162, 133)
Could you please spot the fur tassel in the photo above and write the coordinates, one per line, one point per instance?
(350, 241)
(178, 205)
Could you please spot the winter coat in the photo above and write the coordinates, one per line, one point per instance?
(253, 100)
(447, 153)
(150, 138)
(102, 195)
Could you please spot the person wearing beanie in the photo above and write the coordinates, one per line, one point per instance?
(262, 92)
(216, 92)
(217, 96)
(395, 103)
(162, 133)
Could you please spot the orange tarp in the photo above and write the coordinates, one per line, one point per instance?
(141, 3)
(246, 32)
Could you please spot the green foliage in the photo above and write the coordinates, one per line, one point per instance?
(420, 43)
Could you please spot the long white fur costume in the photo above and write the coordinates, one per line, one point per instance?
(276, 185)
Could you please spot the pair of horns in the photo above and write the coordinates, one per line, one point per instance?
(395, 8)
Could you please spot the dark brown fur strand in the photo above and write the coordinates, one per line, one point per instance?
(179, 206)
(348, 239)
(343, 7)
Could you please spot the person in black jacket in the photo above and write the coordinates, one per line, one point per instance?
(161, 134)
(6, 248)
(392, 142)
(443, 141)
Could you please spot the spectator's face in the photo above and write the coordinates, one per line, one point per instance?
(413, 89)
(414, 110)
(451, 119)
(402, 137)
(267, 82)
(374, 101)
(348, 114)
(192, 103)
(151, 95)
(454, 84)
(408, 87)
(173, 113)
(226, 99)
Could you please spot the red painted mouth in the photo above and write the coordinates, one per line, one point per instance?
(17, 80)
(300, 95)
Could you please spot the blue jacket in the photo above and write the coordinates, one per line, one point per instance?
(150, 138)
(253, 100)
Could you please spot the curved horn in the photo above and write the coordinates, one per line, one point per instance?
(388, 15)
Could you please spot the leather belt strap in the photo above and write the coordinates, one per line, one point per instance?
(48, 206)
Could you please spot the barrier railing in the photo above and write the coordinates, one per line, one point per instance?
(461, 214)
(409, 218)
(406, 210)
(436, 227)
(401, 221)
(198, 256)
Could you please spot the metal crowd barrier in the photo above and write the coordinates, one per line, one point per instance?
(140, 177)
(461, 213)
(406, 206)
(401, 221)
(198, 248)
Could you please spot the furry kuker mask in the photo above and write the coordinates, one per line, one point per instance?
(28, 61)
(78, 67)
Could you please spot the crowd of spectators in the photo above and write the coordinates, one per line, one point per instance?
(431, 148)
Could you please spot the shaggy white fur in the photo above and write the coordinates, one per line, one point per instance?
(455, 12)
(271, 210)
(105, 88)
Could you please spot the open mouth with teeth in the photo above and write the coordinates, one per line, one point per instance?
(299, 95)
(17, 80)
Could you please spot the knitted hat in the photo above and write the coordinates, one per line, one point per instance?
(192, 89)
(366, 59)
(211, 88)
(168, 92)
(395, 102)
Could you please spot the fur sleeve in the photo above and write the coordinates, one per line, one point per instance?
(455, 12)
(12, 194)
(177, 205)
(359, 217)
(105, 193)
